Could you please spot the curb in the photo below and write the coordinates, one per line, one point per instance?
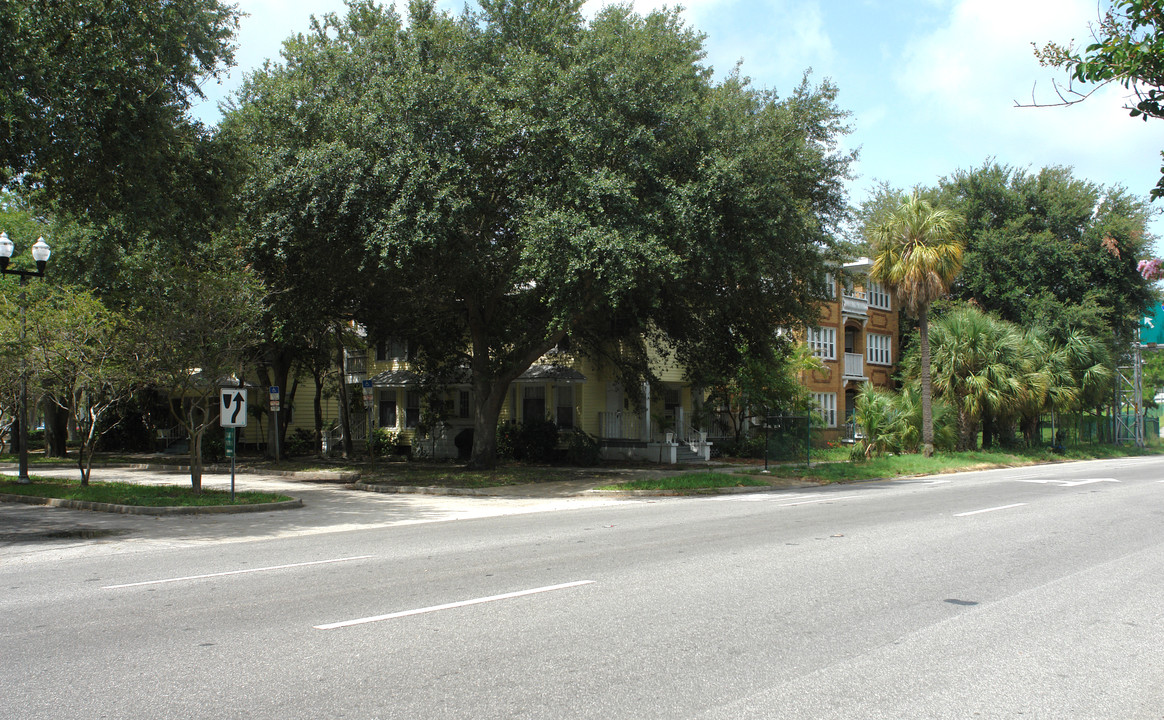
(477, 492)
(145, 510)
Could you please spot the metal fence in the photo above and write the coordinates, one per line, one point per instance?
(1076, 430)
(787, 438)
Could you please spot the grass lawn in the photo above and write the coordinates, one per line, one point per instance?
(944, 462)
(415, 474)
(839, 471)
(131, 494)
(690, 481)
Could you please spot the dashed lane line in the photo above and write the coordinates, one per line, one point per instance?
(235, 572)
(986, 510)
(449, 606)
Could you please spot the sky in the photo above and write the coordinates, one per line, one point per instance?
(931, 85)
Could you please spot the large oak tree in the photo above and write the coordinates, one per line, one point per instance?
(491, 184)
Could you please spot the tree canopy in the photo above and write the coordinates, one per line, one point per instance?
(1050, 249)
(492, 183)
(94, 93)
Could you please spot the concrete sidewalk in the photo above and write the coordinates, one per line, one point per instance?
(30, 532)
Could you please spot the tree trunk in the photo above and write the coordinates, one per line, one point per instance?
(56, 428)
(488, 400)
(923, 324)
(197, 428)
(987, 429)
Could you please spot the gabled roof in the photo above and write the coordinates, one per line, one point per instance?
(536, 373)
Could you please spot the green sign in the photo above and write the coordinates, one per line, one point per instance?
(229, 441)
(1152, 326)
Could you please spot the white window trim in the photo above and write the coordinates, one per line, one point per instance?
(878, 297)
(880, 349)
(826, 407)
(823, 342)
(831, 280)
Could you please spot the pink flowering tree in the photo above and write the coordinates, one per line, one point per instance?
(1151, 269)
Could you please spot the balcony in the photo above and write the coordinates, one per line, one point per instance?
(854, 366)
(854, 304)
(355, 367)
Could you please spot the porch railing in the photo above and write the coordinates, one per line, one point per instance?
(620, 426)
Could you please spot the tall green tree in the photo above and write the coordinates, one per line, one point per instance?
(87, 362)
(1052, 250)
(197, 331)
(917, 255)
(490, 184)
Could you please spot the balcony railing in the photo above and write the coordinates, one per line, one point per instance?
(855, 303)
(854, 366)
(355, 368)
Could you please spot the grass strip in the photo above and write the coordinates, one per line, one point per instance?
(904, 465)
(688, 481)
(119, 493)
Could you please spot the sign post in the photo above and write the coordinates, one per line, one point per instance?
(273, 394)
(232, 414)
(367, 385)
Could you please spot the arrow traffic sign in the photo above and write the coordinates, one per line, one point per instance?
(232, 407)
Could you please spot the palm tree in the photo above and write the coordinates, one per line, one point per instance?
(917, 254)
(979, 365)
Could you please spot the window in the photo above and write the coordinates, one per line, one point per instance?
(827, 407)
(823, 342)
(387, 413)
(412, 409)
(391, 349)
(533, 403)
(878, 298)
(880, 349)
(830, 286)
(464, 405)
(564, 414)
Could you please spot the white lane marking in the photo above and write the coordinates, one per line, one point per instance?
(237, 572)
(936, 482)
(449, 606)
(1002, 507)
(821, 500)
(1069, 483)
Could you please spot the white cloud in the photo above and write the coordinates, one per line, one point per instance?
(967, 75)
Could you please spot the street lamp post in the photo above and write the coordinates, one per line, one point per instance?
(40, 253)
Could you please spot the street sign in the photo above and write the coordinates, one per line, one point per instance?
(367, 389)
(229, 441)
(273, 392)
(1152, 326)
(232, 407)
(274, 406)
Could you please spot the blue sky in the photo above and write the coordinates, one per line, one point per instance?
(931, 84)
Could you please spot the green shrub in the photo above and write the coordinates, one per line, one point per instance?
(583, 450)
(507, 440)
(300, 442)
(382, 442)
(534, 441)
(749, 446)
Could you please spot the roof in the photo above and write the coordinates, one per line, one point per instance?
(558, 373)
(536, 373)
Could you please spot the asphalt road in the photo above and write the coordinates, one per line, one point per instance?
(1032, 593)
